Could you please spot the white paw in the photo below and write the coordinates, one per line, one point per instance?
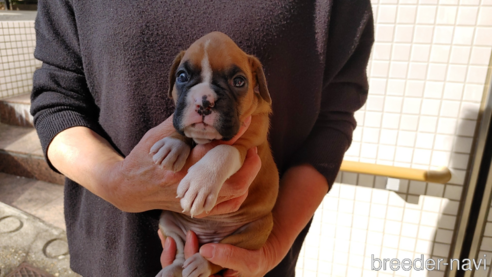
(171, 153)
(196, 266)
(172, 270)
(199, 189)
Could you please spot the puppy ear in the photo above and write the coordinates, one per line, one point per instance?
(259, 75)
(172, 72)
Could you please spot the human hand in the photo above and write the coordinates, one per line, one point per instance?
(169, 248)
(238, 261)
(241, 262)
(137, 184)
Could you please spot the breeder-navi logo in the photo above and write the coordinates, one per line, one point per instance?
(419, 264)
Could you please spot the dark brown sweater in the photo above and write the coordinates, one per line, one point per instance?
(105, 66)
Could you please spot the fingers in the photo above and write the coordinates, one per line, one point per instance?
(169, 250)
(191, 245)
(231, 257)
(228, 206)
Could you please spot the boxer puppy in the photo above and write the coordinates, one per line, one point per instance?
(215, 87)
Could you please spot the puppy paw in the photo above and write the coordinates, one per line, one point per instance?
(196, 266)
(199, 189)
(172, 270)
(171, 153)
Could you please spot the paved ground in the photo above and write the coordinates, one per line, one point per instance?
(32, 227)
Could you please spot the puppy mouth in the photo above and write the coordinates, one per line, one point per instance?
(202, 132)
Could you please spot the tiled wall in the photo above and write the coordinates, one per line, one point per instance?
(428, 74)
(17, 63)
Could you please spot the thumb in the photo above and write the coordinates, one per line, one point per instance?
(231, 257)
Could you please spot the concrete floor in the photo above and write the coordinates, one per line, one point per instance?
(41, 199)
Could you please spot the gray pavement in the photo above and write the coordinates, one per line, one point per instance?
(26, 239)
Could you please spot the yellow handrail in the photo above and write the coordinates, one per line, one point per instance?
(441, 176)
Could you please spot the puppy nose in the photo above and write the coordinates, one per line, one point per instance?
(204, 105)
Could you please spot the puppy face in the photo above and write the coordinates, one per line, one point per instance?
(215, 86)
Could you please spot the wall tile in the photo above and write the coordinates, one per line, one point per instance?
(463, 144)
(423, 34)
(437, 72)
(446, 15)
(380, 69)
(409, 122)
(473, 92)
(476, 74)
(417, 71)
(440, 53)
(450, 108)
(387, 14)
(485, 16)
(412, 105)
(403, 33)
(436, 190)
(370, 135)
(388, 137)
(381, 51)
(406, 139)
(426, 14)
(401, 52)
(430, 107)
(420, 53)
(483, 36)
(453, 91)
(406, 14)
(466, 127)
(467, 16)
(480, 55)
(393, 104)
(456, 73)
(386, 152)
(427, 124)
(424, 140)
(469, 110)
(384, 33)
(414, 88)
(422, 156)
(375, 103)
(395, 86)
(398, 70)
(444, 142)
(447, 126)
(443, 34)
(377, 86)
(404, 154)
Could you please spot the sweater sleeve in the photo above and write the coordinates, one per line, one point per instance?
(342, 94)
(60, 97)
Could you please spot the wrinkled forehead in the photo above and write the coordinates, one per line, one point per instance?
(221, 54)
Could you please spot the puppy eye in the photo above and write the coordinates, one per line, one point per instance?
(239, 81)
(182, 77)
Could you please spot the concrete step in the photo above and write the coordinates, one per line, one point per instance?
(21, 154)
(15, 110)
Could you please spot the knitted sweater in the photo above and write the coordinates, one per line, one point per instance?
(105, 66)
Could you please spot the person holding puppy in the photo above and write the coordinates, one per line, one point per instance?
(99, 103)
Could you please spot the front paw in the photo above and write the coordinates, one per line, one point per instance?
(199, 189)
(171, 153)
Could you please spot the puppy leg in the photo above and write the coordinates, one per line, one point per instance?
(200, 187)
(171, 152)
(170, 228)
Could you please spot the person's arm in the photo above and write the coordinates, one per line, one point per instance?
(66, 119)
(135, 183)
